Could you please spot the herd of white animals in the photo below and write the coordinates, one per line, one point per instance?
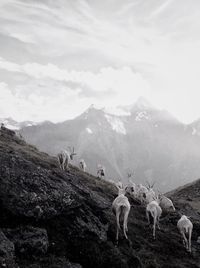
(155, 203)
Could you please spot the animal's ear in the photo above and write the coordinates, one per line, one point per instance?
(117, 187)
(148, 185)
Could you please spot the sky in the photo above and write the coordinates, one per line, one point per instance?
(59, 57)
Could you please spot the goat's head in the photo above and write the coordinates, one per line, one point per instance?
(150, 186)
(121, 188)
(72, 152)
(121, 191)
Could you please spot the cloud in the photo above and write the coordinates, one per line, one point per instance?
(39, 107)
(102, 52)
(56, 94)
(117, 80)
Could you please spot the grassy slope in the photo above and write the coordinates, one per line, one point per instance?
(84, 231)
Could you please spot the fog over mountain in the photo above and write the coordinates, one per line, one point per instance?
(147, 141)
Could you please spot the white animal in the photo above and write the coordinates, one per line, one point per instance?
(131, 188)
(185, 226)
(100, 171)
(165, 203)
(141, 193)
(64, 158)
(82, 165)
(119, 185)
(121, 208)
(154, 210)
(150, 195)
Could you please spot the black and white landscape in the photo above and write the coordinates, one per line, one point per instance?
(99, 134)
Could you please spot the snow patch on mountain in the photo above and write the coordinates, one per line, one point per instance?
(14, 125)
(194, 131)
(89, 130)
(141, 115)
(9, 123)
(116, 124)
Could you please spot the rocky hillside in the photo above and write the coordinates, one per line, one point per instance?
(187, 199)
(51, 218)
(149, 141)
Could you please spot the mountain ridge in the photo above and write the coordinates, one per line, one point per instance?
(156, 146)
(151, 143)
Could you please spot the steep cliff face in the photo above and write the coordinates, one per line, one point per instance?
(51, 218)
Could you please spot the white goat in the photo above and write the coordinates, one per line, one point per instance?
(100, 171)
(131, 188)
(185, 226)
(154, 210)
(150, 195)
(82, 165)
(64, 158)
(119, 185)
(141, 193)
(165, 203)
(121, 208)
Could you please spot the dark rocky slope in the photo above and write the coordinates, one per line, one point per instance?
(60, 219)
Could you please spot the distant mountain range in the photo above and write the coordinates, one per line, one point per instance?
(14, 125)
(151, 143)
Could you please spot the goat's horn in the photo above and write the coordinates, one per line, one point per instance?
(148, 184)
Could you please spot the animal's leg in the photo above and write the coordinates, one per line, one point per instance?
(147, 215)
(158, 223)
(67, 164)
(185, 242)
(189, 240)
(117, 218)
(60, 166)
(118, 225)
(125, 222)
(154, 228)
